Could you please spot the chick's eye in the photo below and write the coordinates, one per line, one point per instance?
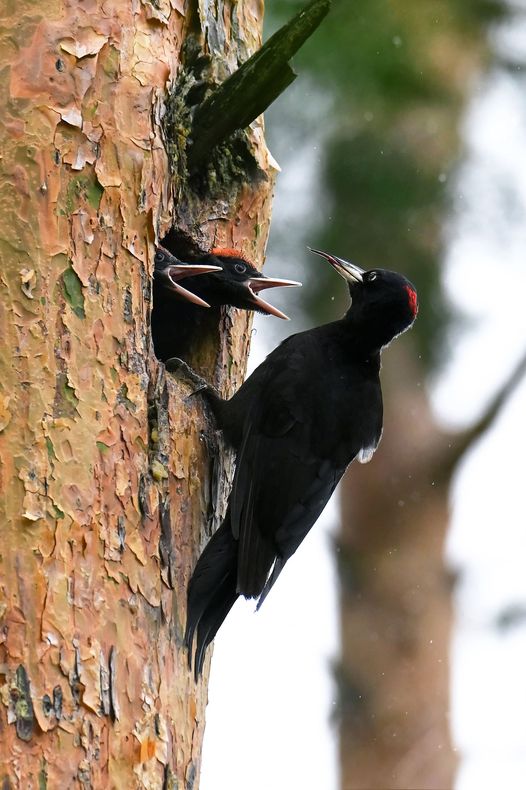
(240, 269)
(372, 276)
(159, 257)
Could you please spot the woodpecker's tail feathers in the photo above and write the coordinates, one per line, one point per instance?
(211, 592)
(278, 566)
(213, 618)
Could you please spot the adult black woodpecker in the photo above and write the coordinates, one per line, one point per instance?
(313, 406)
(234, 281)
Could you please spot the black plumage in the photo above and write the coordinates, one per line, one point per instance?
(312, 407)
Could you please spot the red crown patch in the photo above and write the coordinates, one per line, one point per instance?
(228, 252)
(413, 301)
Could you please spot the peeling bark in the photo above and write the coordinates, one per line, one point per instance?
(110, 476)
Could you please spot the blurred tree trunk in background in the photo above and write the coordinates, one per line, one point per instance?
(399, 75)
(396, 605)
(396, 608)
(108, 475)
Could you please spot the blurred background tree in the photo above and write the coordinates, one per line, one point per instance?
(387, 86)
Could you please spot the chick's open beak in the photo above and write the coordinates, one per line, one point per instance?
(174, 273)
(257, 284)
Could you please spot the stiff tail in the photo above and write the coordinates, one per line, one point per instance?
(211, 592)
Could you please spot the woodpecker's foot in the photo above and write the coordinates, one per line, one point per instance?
(184, 372)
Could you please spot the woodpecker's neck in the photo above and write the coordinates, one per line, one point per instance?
(368, 334)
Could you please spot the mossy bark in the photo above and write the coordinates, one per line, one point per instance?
(108, 474)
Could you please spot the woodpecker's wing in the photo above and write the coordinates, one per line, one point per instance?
(279, 492)
(297, 441)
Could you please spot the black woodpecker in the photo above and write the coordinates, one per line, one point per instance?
(313, 406)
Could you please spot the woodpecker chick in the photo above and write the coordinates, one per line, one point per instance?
(169, 271)
(237, 283)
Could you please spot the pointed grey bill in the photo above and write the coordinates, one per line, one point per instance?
(257, 284)
(349, 271)
(174, 273)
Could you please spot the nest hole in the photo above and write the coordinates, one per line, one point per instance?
(180, 328)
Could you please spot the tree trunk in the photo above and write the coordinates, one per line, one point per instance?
(108, 474)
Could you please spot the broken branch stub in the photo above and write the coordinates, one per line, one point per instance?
(254, 86)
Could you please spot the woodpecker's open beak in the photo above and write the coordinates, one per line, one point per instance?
(257, 284)
(173, 273)
(349, 271)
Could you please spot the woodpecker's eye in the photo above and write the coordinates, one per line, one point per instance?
(372, 276)
(159, 256)
(240, 268)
